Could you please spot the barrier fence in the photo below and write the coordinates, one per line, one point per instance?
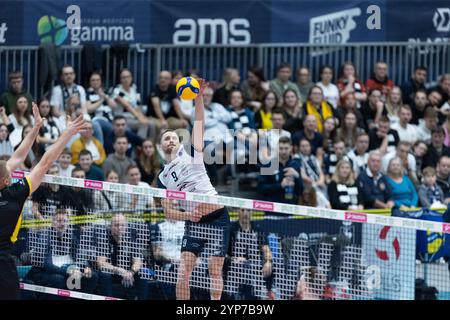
(146, 61)
(126, 245)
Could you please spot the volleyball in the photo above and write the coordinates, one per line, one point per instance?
(187, 88)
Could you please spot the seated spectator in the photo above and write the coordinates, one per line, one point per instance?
(243, 122)
(118, 161)
(5, 145)
(80, 200)
(148, 162)
(292, 111)
(217, 119)
(52, 126)
(304, 83)
(271, 137)
(231, 81)
(349, 130)
(349, 104)
(375, 190)
(331, 159)
(348, 82)
(318, 107)
(62, 262)
(419, 105)
(166, 238)
(373, 109)
(383, 138)
(416, 83)
(360, 155)
(309, 132)
(164, 108)
(443, 88)
(65, 163)
(255, 89)
(100, 105)
(436, 149)
(243, 255)
(135, 201)
(443, 176)
(407, 160)
(109, 200)
(284, 185)
(342, 189)
(379, 80)
(330, 90)
(427, 124)
(61, 93)
(311, 170)
(88, 142)
(129, 105)
(282, 82)
(19, 118)
(73, 111)
(406, 131)
(430, 194)
(49, 197)
(329, 134)
(393, 103)
(419, 150)
(403, 191)
(86, 162)
(119, 262)
(435, 102)
(8, 99)
(312, 198)
(120, 129)
(262, 116)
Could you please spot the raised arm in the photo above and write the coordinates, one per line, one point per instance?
(21, 153)
(37, 174)
(199, 122)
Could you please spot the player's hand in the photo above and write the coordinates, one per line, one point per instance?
(38, 121)
(76, 125)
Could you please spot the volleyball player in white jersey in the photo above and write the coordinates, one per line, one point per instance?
(187, 172)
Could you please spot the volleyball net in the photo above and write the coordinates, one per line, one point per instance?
(99, 240)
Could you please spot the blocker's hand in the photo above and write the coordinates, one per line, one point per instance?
(38, 121)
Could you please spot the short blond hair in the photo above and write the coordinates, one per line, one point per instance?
(429, 171)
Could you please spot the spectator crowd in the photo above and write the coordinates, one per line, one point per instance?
(342, 142)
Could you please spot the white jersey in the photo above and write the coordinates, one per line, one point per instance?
(186, 173)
